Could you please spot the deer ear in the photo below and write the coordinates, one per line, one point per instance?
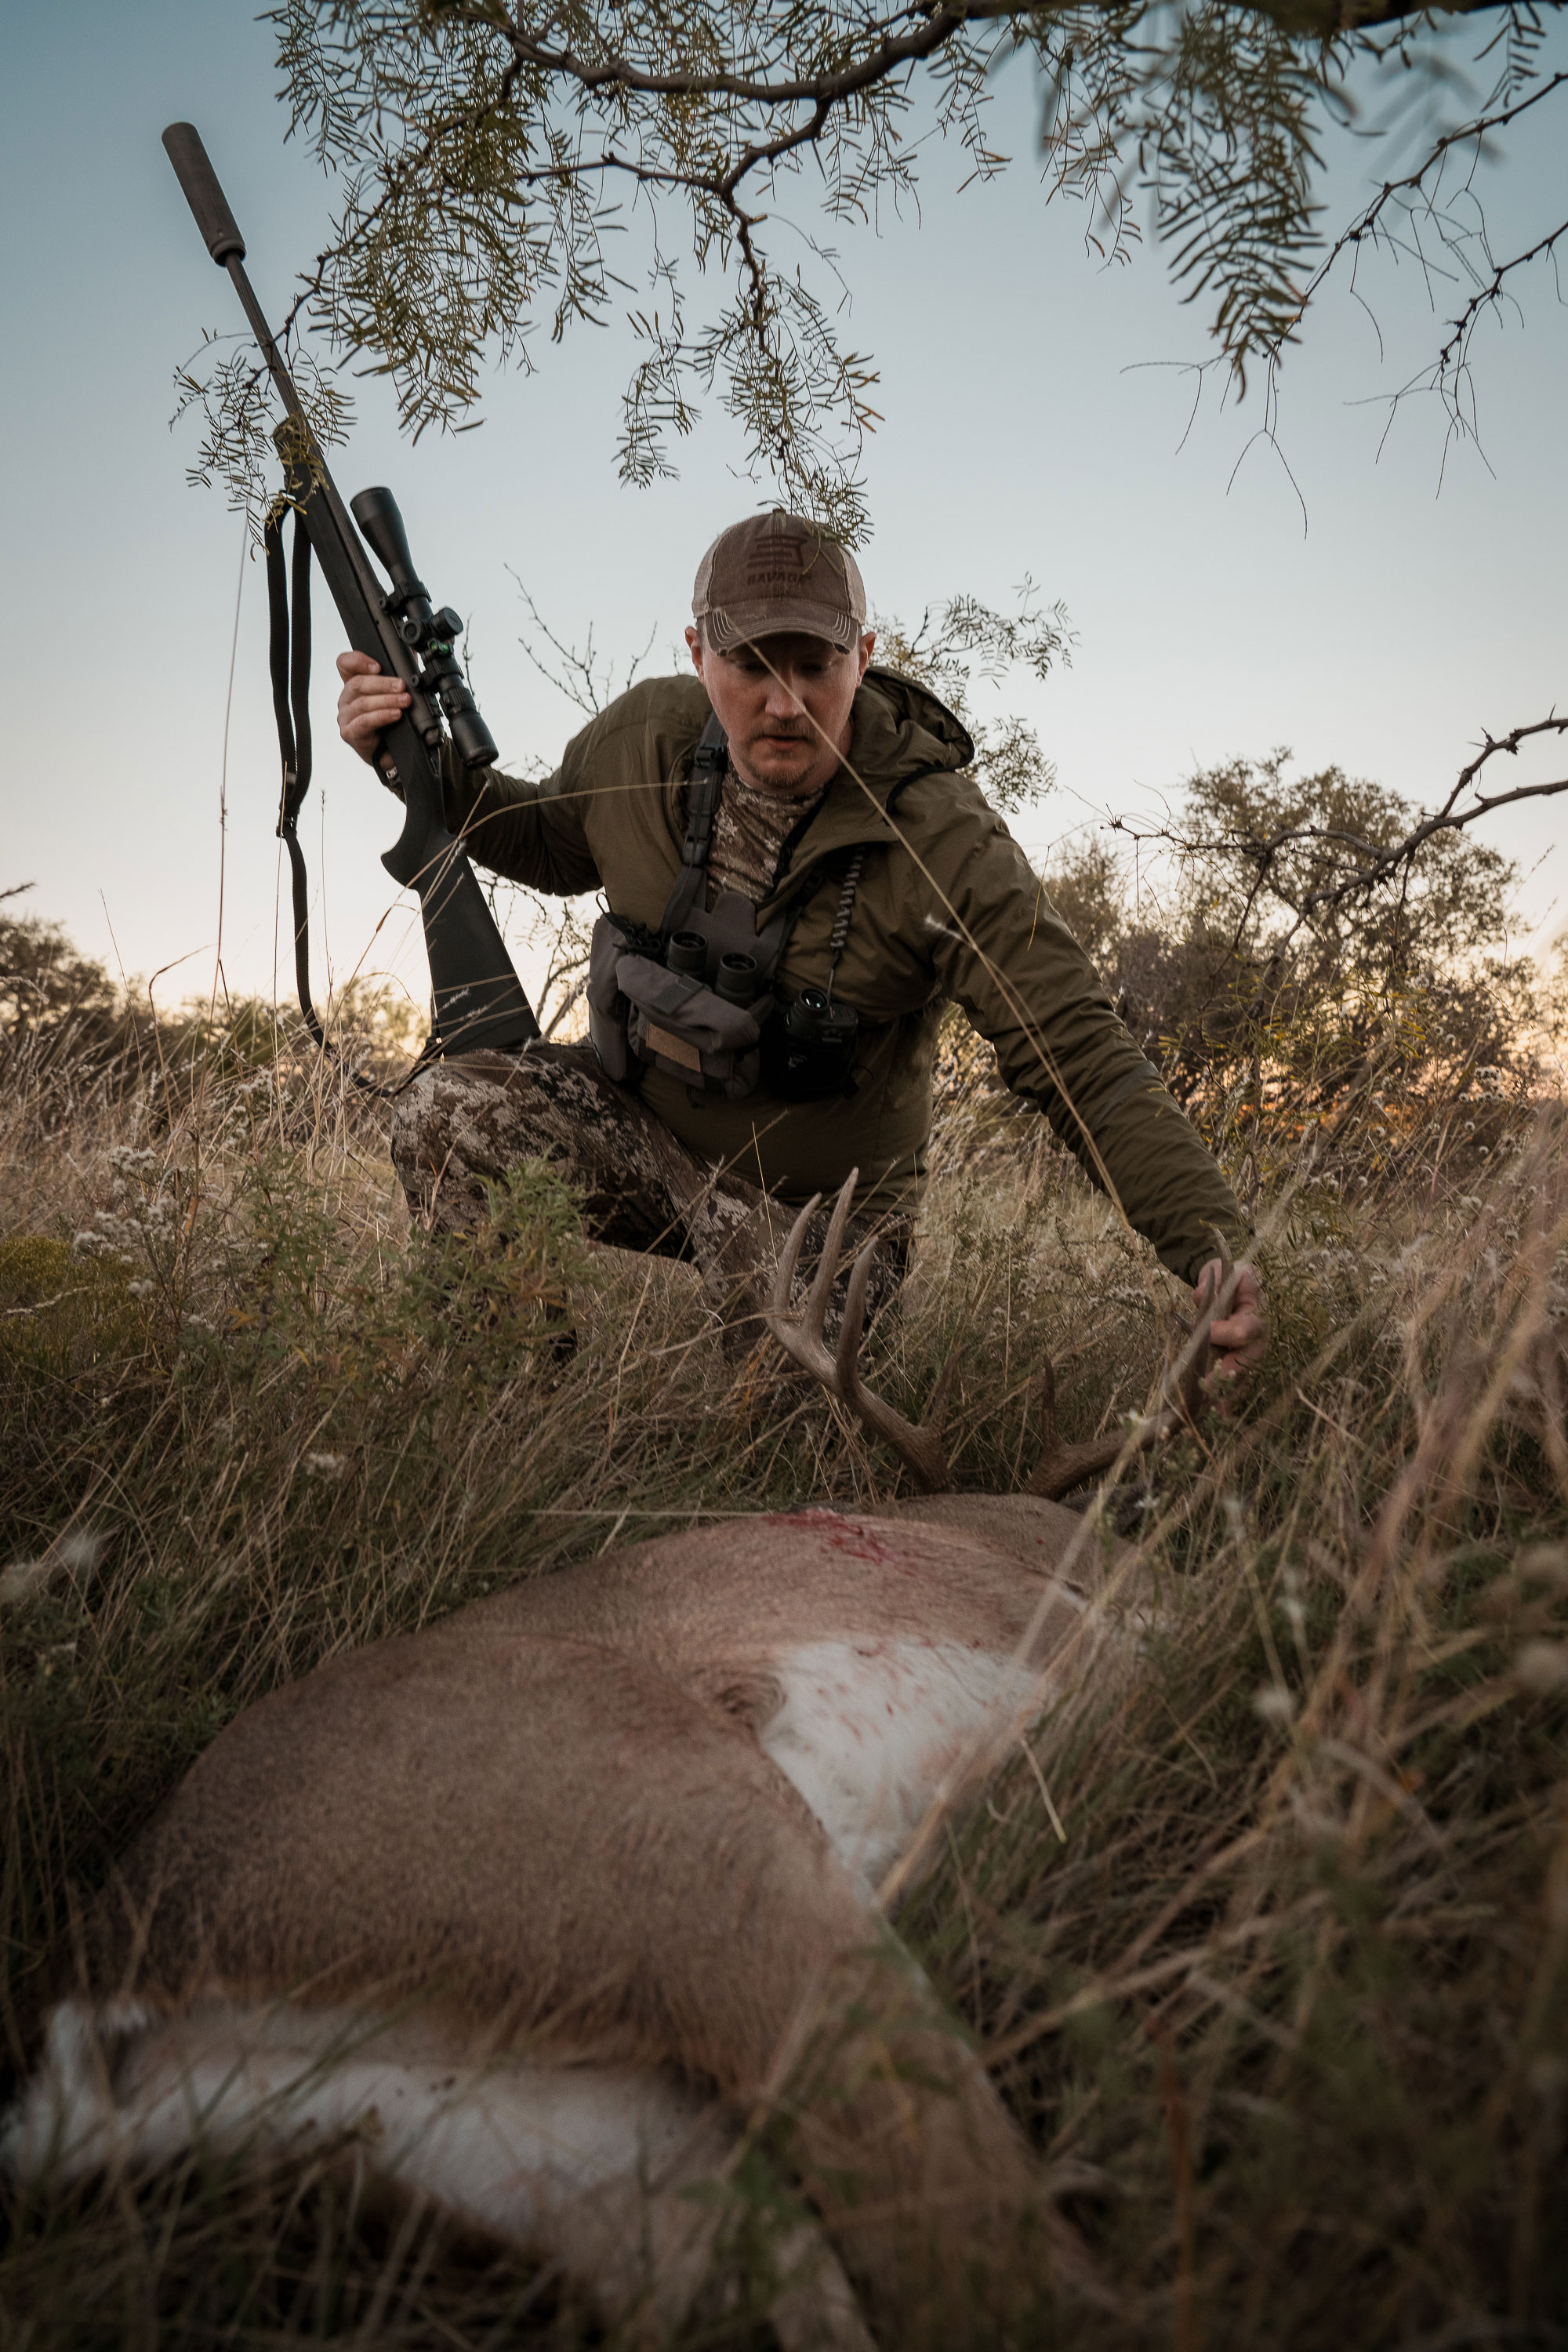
(751, 1694)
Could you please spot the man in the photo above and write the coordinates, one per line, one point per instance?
(799, 874)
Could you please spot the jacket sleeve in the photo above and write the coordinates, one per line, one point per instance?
(1004, 954)
(530, 833)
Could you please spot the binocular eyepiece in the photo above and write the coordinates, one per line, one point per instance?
(736, 978)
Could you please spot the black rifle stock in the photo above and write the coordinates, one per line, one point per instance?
(478, 997)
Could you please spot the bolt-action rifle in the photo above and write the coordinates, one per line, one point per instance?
(478, 999)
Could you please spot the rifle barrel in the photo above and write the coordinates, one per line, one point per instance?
(202, 192)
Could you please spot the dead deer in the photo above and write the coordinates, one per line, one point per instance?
(546, 1905)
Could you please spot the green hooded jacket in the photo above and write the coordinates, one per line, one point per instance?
(948, 907)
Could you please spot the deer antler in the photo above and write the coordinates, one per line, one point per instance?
(804, 1338)
(1184, 1386)
(1063, 1467)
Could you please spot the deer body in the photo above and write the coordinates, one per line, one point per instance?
(559, 1889)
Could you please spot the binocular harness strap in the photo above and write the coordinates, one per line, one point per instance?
(708, 768)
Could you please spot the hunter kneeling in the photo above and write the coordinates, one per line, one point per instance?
(799, 874)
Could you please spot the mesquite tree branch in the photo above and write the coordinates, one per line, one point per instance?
(483, 143)
(1401, 208)
(1382, 863)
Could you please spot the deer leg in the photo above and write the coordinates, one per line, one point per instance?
(587, 2168)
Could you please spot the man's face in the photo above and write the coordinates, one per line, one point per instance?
(784, 705)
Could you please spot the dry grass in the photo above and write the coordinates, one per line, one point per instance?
(1286, 2010)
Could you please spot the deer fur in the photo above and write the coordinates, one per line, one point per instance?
(548, 1900)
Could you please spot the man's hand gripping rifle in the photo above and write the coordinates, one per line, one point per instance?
(478, 999)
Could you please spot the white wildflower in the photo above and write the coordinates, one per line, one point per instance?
(1541, 1667)
(75, 1552)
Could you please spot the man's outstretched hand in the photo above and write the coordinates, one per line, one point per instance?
(368, 705)
(1241, 1341)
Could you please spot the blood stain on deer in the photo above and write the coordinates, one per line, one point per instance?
(859, 1538)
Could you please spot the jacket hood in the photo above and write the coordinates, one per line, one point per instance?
(901, 731)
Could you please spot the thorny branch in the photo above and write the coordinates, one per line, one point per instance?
(573, 673)
(1413, 182)
(1415, 199)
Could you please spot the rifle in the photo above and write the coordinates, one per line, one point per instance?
(476, 997)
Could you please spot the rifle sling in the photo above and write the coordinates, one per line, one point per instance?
(288, 658)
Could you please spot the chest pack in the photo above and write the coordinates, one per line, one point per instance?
(696, 997)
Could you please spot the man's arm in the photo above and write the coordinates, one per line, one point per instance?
(530, 833)
(1004, 954)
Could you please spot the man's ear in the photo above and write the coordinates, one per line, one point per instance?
(694, 639)
(868, 647)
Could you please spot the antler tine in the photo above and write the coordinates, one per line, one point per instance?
(852, 1329)
(920, 1449)
(794, 1332)
(1062, 1464)
(1184, 1382)
(789, 1258)
(815, 1315)
(802, 1336)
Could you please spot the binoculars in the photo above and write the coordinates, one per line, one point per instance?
(807, 1045)
(736, 978)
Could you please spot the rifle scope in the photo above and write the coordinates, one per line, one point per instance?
(427, 631)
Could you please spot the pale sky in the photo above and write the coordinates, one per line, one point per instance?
(1029, 430)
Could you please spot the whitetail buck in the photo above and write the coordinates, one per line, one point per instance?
(550, 1902)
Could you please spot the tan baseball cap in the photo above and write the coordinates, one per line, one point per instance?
(775, 573)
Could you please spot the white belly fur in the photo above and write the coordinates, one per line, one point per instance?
(870, 1731)
(500, 2144)
(589, 2167)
